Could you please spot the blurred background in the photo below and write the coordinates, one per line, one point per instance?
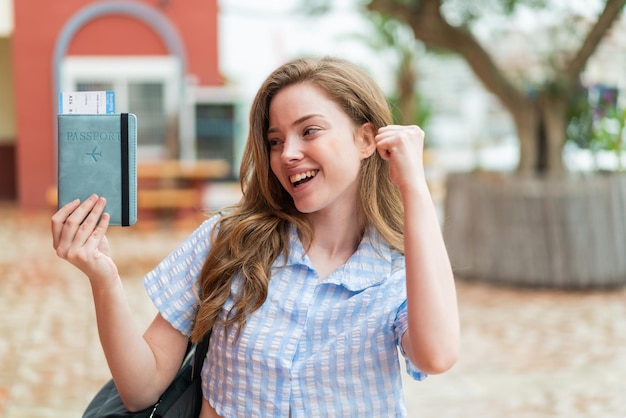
(524, 107)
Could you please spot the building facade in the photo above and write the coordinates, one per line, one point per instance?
(160, 57)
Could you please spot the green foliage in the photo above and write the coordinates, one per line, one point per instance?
(390, 35)
(465, 13)
(609, 133)
(580, 119)
(422, 114)
(596, 125)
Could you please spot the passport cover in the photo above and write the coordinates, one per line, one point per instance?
(97, 153)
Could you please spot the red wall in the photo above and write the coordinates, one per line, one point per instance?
(37, 27)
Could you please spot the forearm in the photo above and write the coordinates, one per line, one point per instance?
(131, 360)
(432, 339)
(142, 366)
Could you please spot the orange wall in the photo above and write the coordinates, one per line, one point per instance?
(37, 27)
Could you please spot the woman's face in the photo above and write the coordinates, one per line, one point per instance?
(316, 150)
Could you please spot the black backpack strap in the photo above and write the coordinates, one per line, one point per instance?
(199, 355)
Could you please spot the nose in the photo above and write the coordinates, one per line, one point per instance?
(292, 149)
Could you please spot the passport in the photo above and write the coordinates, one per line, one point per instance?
(97, 153)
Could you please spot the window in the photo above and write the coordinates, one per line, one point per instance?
(146, 86)
(216, 116)
(204, 123)
(215, 131)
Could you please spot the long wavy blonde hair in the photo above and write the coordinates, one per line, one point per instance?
(255, 231)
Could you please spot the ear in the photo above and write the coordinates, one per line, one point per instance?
(366, 139)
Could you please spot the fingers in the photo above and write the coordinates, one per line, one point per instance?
(397, 138)
(100, 230)
(75, 223)
(397, 134)
(58, 219)
(403, 147)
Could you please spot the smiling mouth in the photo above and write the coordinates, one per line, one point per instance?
(300, 178)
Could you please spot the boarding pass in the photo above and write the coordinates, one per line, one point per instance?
(86, 102)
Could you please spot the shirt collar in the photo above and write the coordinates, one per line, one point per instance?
(370, 265)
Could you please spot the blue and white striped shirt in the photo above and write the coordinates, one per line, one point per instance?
(316, 348)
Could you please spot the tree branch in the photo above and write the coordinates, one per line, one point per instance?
(610, 14)
(429, 26)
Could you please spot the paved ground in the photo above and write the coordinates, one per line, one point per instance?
(525, 353)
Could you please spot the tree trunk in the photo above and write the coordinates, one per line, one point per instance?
(552, 111)
(526, 119)
(407, 102)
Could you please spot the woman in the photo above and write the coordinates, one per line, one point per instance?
(332, 260)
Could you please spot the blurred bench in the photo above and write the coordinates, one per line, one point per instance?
(186, 170)
(174, 189)
(176, 184)
(170, 185)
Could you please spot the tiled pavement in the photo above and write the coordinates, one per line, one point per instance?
(525, 353)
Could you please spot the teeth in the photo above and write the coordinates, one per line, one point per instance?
(301, 176)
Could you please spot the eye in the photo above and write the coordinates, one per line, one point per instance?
(274, 142)
(310, 130)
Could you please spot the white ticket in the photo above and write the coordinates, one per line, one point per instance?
(86, 102)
